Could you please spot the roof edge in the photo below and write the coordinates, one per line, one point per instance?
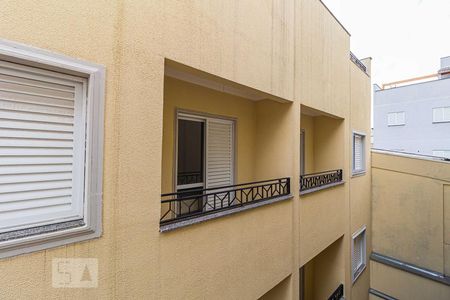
(337, 20)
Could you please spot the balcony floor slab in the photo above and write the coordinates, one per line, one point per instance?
(223, 213)
(323, 187)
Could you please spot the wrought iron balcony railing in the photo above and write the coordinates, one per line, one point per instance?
(196, 202)
(360, 65)
(318, 180)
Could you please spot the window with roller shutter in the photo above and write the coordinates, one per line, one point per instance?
(212, 153)
(442, 153)
(396, 118)
(441, 114)
(50, 149)
(42, 117)
(358, 253)
(358, 159)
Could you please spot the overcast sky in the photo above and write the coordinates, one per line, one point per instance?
(405, 38)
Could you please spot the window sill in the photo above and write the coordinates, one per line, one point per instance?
(220, 214)
(320, 188)
(358, 273)
(43, 237)
(359, 173)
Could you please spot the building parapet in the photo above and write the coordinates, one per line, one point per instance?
(410, 155)
(410, 268)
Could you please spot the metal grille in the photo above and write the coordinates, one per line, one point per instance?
(315, 180)
(189, 178)
(338, 293)
(194, 202)
(357, 62)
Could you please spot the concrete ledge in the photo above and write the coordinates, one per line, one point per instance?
(222, 213)
(323, 187)
(17, 234)
(358, 174)
(381, 295)
(410, 268)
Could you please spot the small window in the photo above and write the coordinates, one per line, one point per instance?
(441, 114)
(51, 147)
(441, 153)
(396, 118)
(358, 253)
(359, 164)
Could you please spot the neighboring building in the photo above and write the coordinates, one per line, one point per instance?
(414, 115)
(161, 139)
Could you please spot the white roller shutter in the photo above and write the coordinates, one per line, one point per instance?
(219, 158)
(391, 119)
(358, 253)
(357, 259)
(441, 114)
(42, 147)
(446, 114)
(358, 153)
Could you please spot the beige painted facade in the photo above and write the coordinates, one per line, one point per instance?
(294, 55)
(410, 219)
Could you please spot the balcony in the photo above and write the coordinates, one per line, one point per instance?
(314, 182)
(220, 140)
(321, 148)
(192, 204)
(321, 183)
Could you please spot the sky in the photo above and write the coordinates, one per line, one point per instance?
(405, 38)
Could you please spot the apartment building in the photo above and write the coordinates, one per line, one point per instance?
(414, 115)
(185, 149)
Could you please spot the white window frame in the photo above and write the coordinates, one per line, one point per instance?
(444, 120)
(190, 117)
(90, 227)
(201, 117)
(441, 155)
(396, 117)
(362, 171)
(361, 269)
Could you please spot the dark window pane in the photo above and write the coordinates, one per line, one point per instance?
(190, 152)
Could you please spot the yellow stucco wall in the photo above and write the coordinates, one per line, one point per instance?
(329, 147)
(322, 221)
(86, 30)
(447, 229)
(307, 123)
(409, 214)
(280, 292)
(322, 58)
(345, 209)
(360, 200)
(329, 270)
(291, 49)
(402, 285)
(273, 120)
(417, 236)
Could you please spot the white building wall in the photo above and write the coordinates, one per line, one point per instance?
(419, 134)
